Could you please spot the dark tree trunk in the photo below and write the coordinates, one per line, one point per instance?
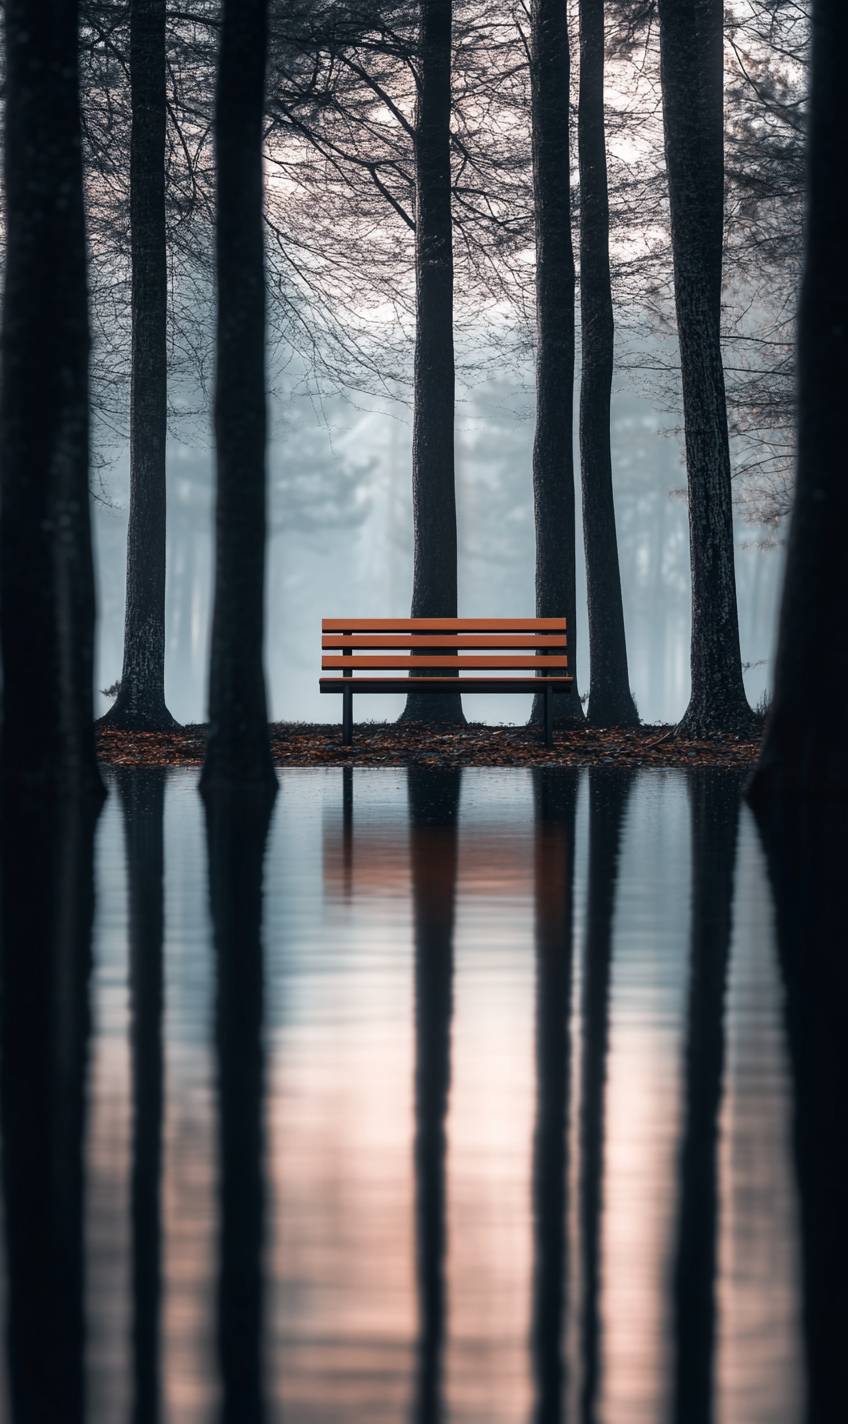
(805, 750)
(46, 571)
(434, 575)
(608, 796)
(237, 825)
(805, 854)
(239, 749)
(555, 800)
(714, 798)
(45, 959)
(142, 792)
(610, 699)
(141, 700)
(691, 53)
(553, 456)
(433, 812)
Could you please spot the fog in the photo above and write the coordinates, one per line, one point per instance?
(340, 543)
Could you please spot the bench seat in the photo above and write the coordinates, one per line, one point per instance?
(523, 655)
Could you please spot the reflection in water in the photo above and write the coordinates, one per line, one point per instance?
(608, 796)
(805, 850)
(714, 811)
(142, 794)
(555, 799)
(406, 1192)
(46, 961)
(433, 813)
(237, 823)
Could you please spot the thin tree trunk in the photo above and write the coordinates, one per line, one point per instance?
(553, 456)
(691, 53)
(805, 751)
(46, 569)
(239, 748)
(434, 578)
(610, 699)
(141, 700)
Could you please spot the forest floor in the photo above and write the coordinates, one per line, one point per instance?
(391, 745)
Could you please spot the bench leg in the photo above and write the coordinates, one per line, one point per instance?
(549, 717)
(347, 717)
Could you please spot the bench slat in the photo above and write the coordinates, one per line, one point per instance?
(467, 661)
(445, 684)
(443, 625)
(483, 641)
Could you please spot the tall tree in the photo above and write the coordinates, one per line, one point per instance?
(691, 67)
(239, 748)
(610, 698)
(804, 749)
(553, 457)
(46, 571)
(434, 575)
(141, 699)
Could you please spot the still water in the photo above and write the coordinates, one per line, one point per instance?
(453, 1098)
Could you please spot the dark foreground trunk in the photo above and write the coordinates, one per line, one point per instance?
(142, 792)
(609, 792)
(140, 702)
(805, 851)
(805, 749)
(434, 592)
(691, 51)
(553, 457)
(610, 699)
(45, 959)
(237, 825)
(239, 749)
(433, 814)
(555, 794)
(46, 571)
(714, 798)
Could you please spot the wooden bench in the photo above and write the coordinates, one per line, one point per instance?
(515, 654)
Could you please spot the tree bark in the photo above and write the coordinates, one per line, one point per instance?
(804, 751)
(691, 59)
(434, 574)
(239, 748)
(610, 699)
(46, 569)
(553, 456)
(140, 702)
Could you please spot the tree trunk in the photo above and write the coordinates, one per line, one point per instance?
(239, 748)
(804, 751)
(555, 797)
(238, 820)
(691, 55)
(140, 702)
(610, 699)
(142, 793)
(434, 796)
(46, 570)
(553, 456)
(434, 579)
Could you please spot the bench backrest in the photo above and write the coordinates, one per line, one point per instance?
(504, 645)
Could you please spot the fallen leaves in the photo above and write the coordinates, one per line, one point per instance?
(392, 745)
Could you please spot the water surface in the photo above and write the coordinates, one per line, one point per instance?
(426, 1095)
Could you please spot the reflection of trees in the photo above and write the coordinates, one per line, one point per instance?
(142, 792)
(47, 910)
(555, 799)
(805, 849)
(433, 811)
(608, 796)
(237, 823)
(714, 807)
